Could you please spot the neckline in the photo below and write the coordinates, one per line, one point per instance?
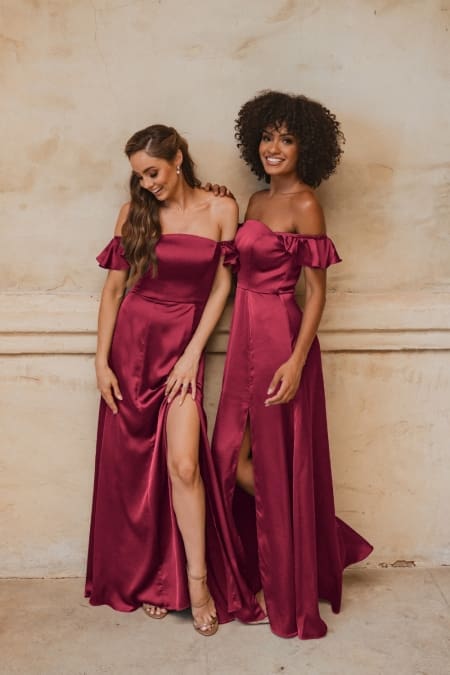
(290, 234)
(180, 234)
(188, 234)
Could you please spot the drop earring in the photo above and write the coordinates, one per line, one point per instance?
(178, 170)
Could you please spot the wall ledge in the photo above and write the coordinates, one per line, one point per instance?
(65, 323)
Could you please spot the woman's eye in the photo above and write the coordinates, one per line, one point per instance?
(265, 138)
(288, 141)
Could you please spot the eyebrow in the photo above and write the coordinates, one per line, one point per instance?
(149, 168)
(266, 131)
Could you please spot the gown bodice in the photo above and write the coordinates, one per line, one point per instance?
(187, 265)
(270, 262)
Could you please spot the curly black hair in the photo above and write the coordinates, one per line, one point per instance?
(315, 127)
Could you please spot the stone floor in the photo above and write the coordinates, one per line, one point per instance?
(392, 621)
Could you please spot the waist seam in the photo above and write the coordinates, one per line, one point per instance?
(253, 290)
(167, 301)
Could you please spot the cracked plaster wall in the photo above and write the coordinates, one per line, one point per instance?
(78, 77)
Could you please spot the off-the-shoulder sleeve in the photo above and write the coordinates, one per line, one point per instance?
(112, 257)
(312, 251)
(230, 254)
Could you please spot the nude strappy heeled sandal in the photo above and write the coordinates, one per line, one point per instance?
(205, 629)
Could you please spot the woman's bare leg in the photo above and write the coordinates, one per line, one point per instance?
(245, 477)
(246, 480)
(188, 498)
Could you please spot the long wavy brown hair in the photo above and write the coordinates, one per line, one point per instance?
(142, 229)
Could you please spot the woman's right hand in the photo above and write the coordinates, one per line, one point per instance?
(108, 386)
(218, 190)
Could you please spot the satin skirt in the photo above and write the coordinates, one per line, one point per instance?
(287, 538)
(136, 552)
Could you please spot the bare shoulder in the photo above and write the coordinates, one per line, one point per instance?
(222, 213)
(121, 219)
(308, 214)
(224, 207)
(225, 212)
(255, 202)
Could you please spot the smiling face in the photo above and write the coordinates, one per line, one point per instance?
(278, 151)
(156, 175)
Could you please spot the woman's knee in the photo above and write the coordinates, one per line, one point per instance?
(184, 471)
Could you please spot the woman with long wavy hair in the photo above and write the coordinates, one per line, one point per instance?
(150, 519)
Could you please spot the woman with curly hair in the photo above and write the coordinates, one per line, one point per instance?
(150, 514)
(270, 440)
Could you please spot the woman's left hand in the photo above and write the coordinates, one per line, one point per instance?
(289, 374)
(182, 376)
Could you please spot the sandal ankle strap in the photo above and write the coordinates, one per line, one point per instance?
(203, 603)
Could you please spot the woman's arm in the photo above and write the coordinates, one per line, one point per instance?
(310, 216)
(184, 372)
(111, 298)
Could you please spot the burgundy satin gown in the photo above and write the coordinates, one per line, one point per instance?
(287, 538)
(136, 553)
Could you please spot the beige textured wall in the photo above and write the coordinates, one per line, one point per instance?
(78, 77)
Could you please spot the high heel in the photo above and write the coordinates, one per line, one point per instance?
(205, 629)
